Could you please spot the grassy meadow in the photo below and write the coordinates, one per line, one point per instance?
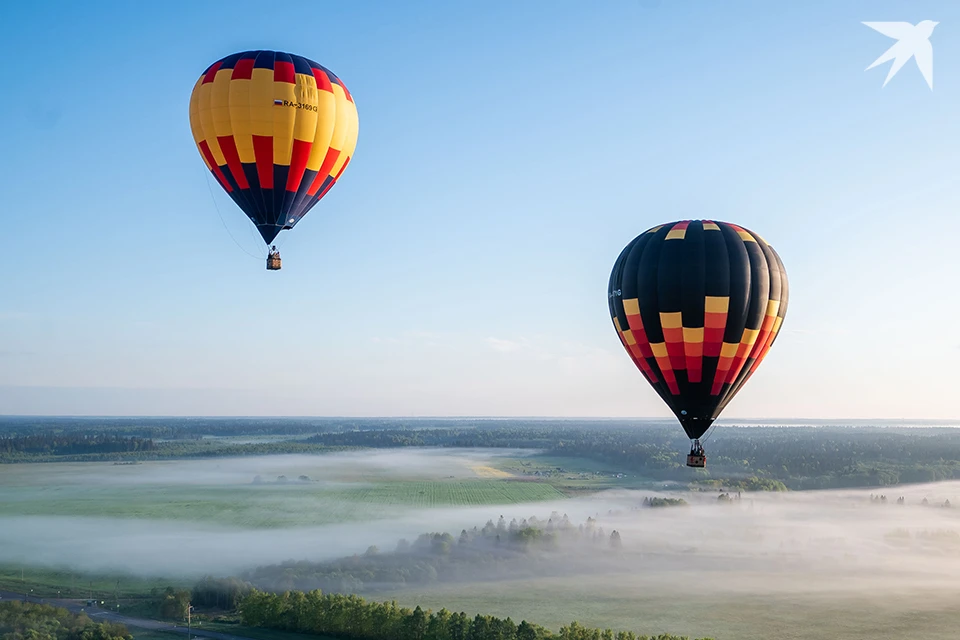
(575, 476)
(48, 582)
(247, 492)
(852, 610)
(268, 506)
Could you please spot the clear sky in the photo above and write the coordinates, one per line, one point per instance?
(507, 153)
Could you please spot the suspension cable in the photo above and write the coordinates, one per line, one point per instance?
(219, 215)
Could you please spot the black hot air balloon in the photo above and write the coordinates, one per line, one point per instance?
(697, 305)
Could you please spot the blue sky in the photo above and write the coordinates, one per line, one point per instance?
(507, 152)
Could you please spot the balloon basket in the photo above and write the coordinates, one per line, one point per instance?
(696, 461)
(273, 263)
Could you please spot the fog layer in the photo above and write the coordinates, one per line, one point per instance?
(814, 542)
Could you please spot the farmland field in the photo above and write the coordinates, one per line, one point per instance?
(575, 476)
(854, 611)
(334, 488)
(47, 582)
(268, 507)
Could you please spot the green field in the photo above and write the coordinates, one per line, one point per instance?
(46, 583)
(576, 476)
(264, 507)
(723, 614)
(223, 491)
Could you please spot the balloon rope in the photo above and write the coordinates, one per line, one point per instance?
(279, 241)
(709, 433)
(254, 234)
(217, 207)
(282, 241)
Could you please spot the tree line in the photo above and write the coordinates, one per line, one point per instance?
(743, 458)
(740, 458)
(175, 450)
(352, 617)
(65, 444)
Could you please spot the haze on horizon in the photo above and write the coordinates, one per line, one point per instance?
(505, 158)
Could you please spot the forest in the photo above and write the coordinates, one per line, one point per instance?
(30, 621)
(501, 551)
(71, 444)
(740, 458)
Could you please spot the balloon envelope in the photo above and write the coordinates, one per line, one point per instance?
(276, 130)
(697, 305)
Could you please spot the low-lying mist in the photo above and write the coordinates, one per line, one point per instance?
(789, 542)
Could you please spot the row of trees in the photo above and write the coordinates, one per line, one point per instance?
(352, 617)
(180, 449)
(29, 621)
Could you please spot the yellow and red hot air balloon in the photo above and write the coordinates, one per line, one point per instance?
(276, 130)
(697, 305)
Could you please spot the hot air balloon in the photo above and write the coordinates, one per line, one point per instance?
(276, 130)
(697, 305)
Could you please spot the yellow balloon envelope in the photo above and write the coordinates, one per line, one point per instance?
(276, 130)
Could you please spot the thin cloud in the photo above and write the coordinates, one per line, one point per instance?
(420, 338)
(504, 346)
(569, 358)
(825, 331)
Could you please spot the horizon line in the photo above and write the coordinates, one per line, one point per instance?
(456, 417)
